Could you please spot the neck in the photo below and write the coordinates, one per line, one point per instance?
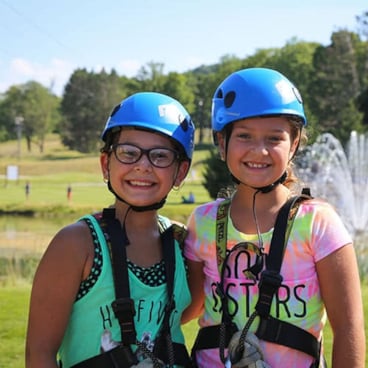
(134, 219)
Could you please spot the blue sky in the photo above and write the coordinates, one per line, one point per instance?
(47, 40)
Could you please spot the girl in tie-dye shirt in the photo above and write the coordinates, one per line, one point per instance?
(258, 122)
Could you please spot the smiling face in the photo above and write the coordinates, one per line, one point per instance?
(259, 150)
(141, 183)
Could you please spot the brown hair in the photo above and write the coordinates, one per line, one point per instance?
(297, 133)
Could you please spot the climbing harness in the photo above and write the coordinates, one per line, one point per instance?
(269, 329)
(165, 349)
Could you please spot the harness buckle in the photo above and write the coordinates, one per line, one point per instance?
(268, 284)
(125, 311)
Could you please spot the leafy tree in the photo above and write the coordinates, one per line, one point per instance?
(201, 87)
(10, 107)
(176, 86)
(36, 106)
(41, 114)
(337, 84)
(151, 77)
(217, 178)
(87, 101)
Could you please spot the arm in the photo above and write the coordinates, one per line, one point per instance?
(196, 286)
(340, 288)
(56, 283)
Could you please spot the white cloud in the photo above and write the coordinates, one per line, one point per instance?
(53, 75)
(129, 67)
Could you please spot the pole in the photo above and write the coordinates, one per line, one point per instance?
(18, 126)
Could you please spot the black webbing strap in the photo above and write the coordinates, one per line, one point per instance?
(271, 279)
(269, 328)
(123, 305)
(209, 337)
(165, 348)
(287, 334)
(119, 357)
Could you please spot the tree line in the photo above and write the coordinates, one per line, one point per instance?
(332, 79)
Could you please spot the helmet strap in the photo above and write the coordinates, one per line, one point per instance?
(267, 188)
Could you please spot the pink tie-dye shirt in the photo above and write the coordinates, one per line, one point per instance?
(317, 231)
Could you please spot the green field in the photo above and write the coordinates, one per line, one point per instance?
(50, 173)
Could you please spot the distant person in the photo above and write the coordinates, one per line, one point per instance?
(111, 288)
(261, 302)
(69, 192)
(189, 199)
(27, 189)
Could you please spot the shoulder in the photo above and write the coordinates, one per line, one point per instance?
(75, 238)
(316, 205)
(179, 229)
(323, 221)
(208, 209)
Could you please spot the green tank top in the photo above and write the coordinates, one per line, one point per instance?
(93, 328)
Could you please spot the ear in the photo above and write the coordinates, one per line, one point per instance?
(104, 164)
(221, 145)
(294, 148)
(182, 172)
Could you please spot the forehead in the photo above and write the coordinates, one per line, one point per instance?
(274, 123)
(144, 136)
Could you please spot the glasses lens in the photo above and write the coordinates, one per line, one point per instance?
(127, 154)
(161, 157)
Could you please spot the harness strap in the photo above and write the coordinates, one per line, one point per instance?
(271, 279)
(271, 330)
(209, 337)
(165, 334)
(287, 334)
(165, 349)
(119, 357)
(122, 357)
(123, 306)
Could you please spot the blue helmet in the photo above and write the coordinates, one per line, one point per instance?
(255, 92)
(156, 112)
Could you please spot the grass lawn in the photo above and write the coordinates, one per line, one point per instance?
(14, 301)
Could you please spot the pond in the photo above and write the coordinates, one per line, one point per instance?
(24, 239)
(22, 243)
(27, 235)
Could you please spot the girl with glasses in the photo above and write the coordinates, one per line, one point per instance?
(111, 288)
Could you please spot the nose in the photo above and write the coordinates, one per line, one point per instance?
(143, 162)
(260, 146)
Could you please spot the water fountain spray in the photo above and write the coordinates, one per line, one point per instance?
(339, 176)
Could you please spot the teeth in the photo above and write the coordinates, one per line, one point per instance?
(257, 166)
(140, 183)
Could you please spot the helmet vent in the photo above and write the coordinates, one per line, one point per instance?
(115, 110)
(219, 94)
(229, 99)
(184, 125)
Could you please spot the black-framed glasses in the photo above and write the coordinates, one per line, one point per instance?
(158, 156)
